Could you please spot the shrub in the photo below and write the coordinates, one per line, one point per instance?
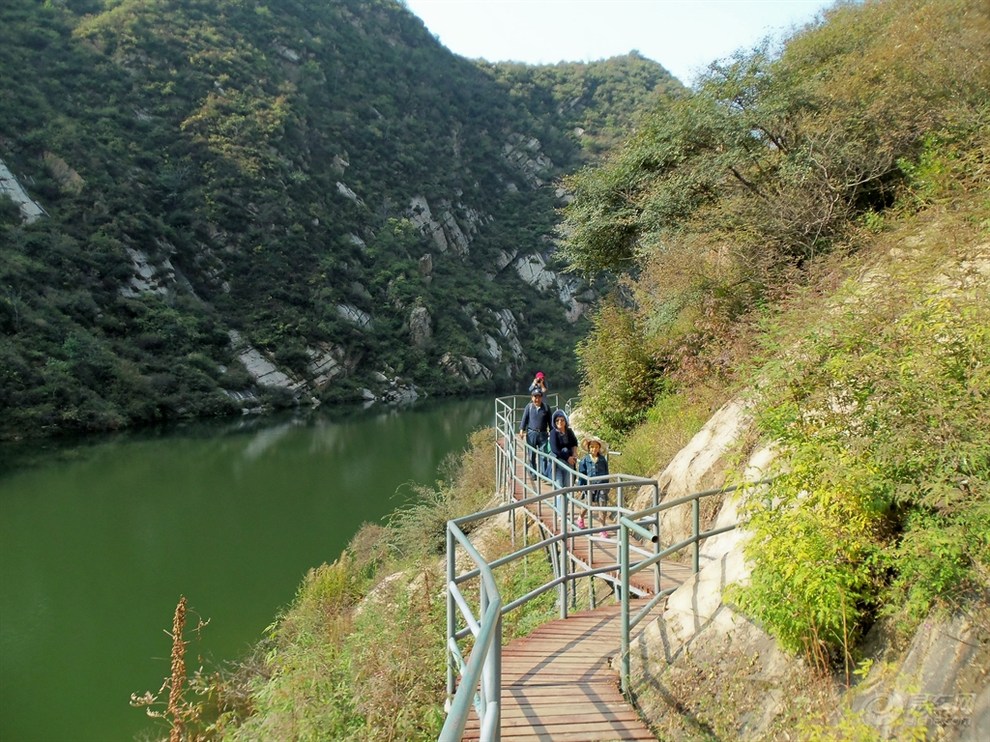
(419, 528)
(669, 425)
(620, 378)
(881, 420)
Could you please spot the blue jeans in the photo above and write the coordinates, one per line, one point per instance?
(536, 439)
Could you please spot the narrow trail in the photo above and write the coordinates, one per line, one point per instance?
(558, 683)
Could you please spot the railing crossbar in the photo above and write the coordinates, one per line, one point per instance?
(465, 609)
(480, 674)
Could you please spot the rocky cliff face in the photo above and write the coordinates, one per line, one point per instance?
(704, 669)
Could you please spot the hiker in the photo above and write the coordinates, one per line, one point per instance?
(563, 444)
(535, 426)
(595, 464)
(539, 382)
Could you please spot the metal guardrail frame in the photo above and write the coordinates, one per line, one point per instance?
(480, 675)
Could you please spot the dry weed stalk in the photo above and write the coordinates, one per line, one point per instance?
(178, 676)
(177, 711)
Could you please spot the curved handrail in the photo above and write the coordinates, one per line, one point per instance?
(480, 676)
(488, 637)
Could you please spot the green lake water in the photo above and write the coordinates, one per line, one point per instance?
(99, 539)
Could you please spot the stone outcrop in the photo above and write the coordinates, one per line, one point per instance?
(261, 368)
(700, 465)
(354, 315)
(347, 193)
(325, 364)
(941, 684)
(30, 210)
(466, 368)
(420, 326)
(570, 290)
(524, 153)
(449, 233)
(147, 278)
(704, 660)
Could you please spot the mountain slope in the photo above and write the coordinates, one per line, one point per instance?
(316, 197)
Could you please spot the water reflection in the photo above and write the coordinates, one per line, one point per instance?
(99, 538)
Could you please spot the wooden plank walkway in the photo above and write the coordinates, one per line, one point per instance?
(558, 684)
(599, 552)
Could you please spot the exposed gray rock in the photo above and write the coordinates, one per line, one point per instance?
(420, 326)
(700, 465)
(261, 368)
(473, 367)
(524, 153)
(464, 368)
(449, 232)
(347, 193)
(493, 349)
(147, 278)
(30, 210)
(704, 656)
(571, 291)
(532, 269)
(941, 682)
(287, 53)
(324, 364)
(426, 267)
(352, 314)
(400, 393)
(339, 164)
(504, 259)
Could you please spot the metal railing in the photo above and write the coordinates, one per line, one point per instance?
(480, 675)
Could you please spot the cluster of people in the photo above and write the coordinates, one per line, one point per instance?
(552, 438)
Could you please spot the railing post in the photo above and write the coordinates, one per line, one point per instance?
(451, 607)
(696, 519)
(496, 670)
(509, 473)
(624, 582)
(657, 576)
(564, 551)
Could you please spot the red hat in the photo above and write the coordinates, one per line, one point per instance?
(539, 374)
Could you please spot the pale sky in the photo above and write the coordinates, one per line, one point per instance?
(682, 35)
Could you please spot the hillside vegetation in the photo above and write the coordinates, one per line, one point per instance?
(249, 204)
(810, 228)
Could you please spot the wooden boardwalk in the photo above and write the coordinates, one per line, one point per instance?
(558, 684)
(603, 551)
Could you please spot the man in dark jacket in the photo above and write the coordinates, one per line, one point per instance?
(535, 426)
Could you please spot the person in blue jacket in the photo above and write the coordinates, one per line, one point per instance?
(535, 426)
(594, 464)
(563, 444)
